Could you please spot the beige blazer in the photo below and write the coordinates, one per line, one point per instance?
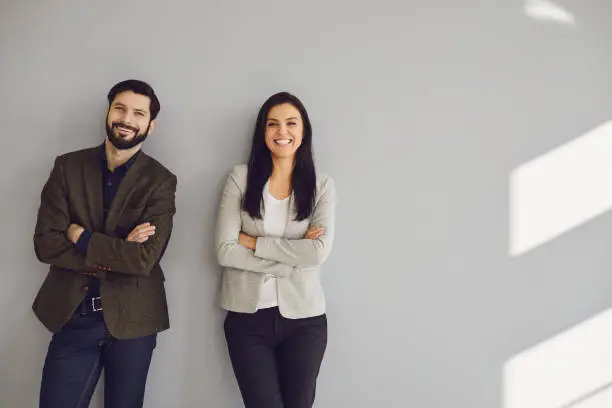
(294, 261)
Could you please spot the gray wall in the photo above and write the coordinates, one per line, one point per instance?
(421, 111)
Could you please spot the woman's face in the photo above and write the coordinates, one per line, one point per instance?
(284, 130)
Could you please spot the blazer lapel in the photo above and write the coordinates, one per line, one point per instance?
(126, 188)
(292, 210)
(259, 221)
(92, 177)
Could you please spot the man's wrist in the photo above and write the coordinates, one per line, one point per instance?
(82, 241)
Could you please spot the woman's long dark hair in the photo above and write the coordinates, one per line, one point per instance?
(303, 178)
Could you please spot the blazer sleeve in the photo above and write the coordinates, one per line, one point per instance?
(51, 244)
(230, 253)
(117, 255)
(305, 252)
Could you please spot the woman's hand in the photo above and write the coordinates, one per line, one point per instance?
(314, 232)
(247, 241)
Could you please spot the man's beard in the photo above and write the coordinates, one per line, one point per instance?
(121, 143)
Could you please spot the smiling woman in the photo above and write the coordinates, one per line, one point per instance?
(275, 229)
(284, 131)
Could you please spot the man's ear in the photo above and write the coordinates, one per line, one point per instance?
(151, 127)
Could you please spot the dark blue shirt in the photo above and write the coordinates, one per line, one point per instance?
(110, 184)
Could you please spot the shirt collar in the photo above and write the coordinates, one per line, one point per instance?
(104, 161)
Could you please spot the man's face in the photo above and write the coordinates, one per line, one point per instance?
(128, 122)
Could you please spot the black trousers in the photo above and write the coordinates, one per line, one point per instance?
(276, 360)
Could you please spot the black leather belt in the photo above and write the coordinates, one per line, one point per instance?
(90, 305)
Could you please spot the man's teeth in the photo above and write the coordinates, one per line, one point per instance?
(283, 141)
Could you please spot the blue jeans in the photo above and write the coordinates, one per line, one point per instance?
(78, 353)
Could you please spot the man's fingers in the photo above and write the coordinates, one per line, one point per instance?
(144, 226)
(138, 239)
(141, 236)
(141, 233)
(145, 229)
(144, 234)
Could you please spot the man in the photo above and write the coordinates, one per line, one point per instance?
(103, 225)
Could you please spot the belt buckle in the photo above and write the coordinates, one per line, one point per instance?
(93, 304)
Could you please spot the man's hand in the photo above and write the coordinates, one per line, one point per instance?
(141, 233)
(314, 232)
(74, 232)
(247, 241)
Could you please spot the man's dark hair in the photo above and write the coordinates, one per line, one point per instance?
(138, 87)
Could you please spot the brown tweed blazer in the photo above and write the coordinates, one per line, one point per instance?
(131, 279)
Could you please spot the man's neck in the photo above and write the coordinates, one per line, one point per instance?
(116, 157)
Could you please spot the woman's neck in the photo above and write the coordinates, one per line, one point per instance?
(280, 180)
(282, 169)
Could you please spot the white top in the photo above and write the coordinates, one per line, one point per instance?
(276, 213)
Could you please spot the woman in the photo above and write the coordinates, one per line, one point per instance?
(275, 228)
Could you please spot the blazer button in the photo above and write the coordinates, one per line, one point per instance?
(85, 288)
